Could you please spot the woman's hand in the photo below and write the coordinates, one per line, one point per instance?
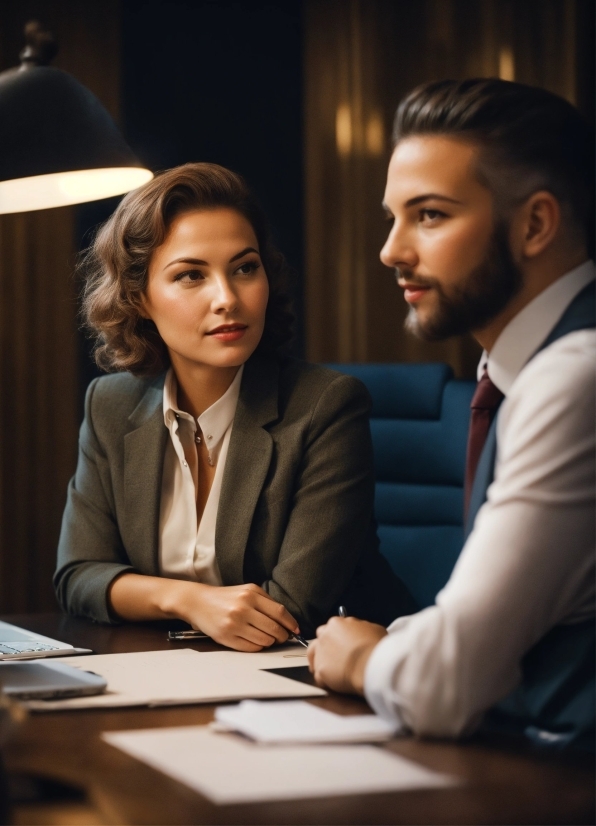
(243, 617)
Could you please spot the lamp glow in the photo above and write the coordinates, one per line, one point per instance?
(66, 188)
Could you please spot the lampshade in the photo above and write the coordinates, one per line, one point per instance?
(58, 145)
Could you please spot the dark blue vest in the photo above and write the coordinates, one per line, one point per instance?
(555, 703)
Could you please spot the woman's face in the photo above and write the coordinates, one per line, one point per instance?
(207, 290)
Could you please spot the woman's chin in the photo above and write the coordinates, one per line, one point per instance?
(229, 359)
(233, 357)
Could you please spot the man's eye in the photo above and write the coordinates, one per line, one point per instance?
(431, 215)
(248, 267)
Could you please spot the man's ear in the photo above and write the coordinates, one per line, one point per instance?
(539, 223)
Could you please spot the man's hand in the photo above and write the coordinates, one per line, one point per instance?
(338, 656)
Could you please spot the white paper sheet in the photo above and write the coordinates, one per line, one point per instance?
(184, 676)
(227, 768)
(295, 721)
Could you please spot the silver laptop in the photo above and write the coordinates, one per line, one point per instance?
(48, 681)
(18, 644)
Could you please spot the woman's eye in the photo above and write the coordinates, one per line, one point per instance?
(189, 276)
(248, 267)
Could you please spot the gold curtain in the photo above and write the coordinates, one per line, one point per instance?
(38, 339)
(361, 57)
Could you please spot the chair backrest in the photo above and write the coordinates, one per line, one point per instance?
(419, 423)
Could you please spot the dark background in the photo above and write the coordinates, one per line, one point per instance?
(217, 81)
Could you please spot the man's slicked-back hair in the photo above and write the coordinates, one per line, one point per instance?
(529, 140)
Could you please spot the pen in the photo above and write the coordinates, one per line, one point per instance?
(342, 611)
(197, 635)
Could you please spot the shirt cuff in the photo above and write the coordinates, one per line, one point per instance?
(378, 681)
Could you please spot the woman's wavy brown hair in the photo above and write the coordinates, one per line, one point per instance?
(115, 267)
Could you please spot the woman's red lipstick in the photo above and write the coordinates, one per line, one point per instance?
(228, 332)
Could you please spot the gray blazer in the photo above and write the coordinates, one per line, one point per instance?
(296, 508)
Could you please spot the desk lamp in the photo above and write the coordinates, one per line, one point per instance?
(58, 145)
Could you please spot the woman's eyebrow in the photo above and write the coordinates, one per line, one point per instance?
(201, 263)
(187, 261)
(243, 252)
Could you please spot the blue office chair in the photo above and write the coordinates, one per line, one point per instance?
(419, 424)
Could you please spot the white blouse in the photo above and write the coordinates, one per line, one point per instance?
(187, 550)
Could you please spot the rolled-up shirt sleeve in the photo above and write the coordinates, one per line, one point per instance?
(527, 565)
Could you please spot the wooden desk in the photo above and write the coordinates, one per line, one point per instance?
(505, 782)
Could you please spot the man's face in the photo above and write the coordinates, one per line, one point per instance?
(451, 254)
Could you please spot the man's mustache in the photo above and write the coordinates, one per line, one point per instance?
(407, 277)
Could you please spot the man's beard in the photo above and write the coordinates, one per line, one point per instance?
(483, 295)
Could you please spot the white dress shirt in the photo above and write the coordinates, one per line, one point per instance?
(529, 562)
(187, 550)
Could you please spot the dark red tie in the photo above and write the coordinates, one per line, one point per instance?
(485, 402)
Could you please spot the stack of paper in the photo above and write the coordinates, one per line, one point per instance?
(300, 722)
(184, 676)
(229, 769)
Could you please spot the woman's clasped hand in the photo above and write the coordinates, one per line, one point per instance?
(243, 617)
(239, 616)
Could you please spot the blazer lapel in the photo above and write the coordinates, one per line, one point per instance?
(247, 464)
(144, 449)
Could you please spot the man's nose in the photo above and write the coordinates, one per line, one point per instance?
(398, 250)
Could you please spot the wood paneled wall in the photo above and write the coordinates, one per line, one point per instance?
(38, 340)
(362, 56)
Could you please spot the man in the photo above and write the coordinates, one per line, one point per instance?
(490, 192)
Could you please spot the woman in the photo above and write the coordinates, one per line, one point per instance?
(217, 482)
